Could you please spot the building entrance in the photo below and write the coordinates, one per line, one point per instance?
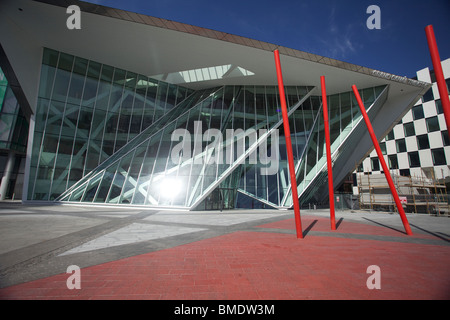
(221, 199)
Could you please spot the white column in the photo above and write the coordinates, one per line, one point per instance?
(7, 174)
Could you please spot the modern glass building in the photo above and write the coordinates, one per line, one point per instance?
(134, 110)
(13, 142)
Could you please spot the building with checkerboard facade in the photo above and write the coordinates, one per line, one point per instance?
(419, 144)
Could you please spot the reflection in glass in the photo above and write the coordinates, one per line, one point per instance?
(105, 135)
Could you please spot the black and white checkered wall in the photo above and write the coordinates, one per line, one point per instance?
(420, 141)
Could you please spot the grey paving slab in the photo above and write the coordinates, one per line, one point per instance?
(22, 230)
(213, 219)
(133, 233)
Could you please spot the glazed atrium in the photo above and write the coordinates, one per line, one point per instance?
(176, 116)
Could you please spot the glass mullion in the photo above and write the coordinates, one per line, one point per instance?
(208, 178)
(157, 140)
(119, 179)
(63, 119)
(143, 174)
(196, 176)
(41, 145)
(118, 143)
(133, 174)
(77, 122)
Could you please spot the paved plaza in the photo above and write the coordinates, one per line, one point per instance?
(141, 253)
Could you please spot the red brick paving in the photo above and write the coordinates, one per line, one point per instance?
(263, 265)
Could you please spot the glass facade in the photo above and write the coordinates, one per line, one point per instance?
(106, 135)
(13, 124)
(87, 111)
(344, 117)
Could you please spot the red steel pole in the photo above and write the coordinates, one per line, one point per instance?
(442, 86)
(383, 163)
(328, 149)
(290, 154)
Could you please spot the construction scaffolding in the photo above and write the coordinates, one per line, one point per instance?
(417, 194)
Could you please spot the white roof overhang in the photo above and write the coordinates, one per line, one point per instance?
(163, 49)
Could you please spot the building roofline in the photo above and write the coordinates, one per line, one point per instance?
(224, 36)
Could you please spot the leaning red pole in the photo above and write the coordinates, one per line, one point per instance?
(328, 149)
(442, 86)
(383, 163)
(290, 154)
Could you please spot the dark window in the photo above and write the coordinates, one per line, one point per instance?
(439, 106)
(401, 145)
(417, 112)
(432, 76)
(405, 172)
(422, 142)
(383, 147)
(432, 124)
(445, 138)
(393, 161)
(414, 160)
(428, 96)
(438, 156)
(390, 135)
(409, 129)
(375, 164)
(361, 167)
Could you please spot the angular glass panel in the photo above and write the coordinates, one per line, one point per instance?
(65, 62)
(334, 117)
(133, 174)
(105, 184)
(46, 82)
(77, 194)
(94, 70)
(91, 190)
(50, 57)
(193, 179)
(110, 115)
(119, 77)
(61, 85)
(69, 121)
(6, 126)
(119, 179)
(311, 172)
(9, 102)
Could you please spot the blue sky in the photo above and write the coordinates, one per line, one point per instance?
(332, 28)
